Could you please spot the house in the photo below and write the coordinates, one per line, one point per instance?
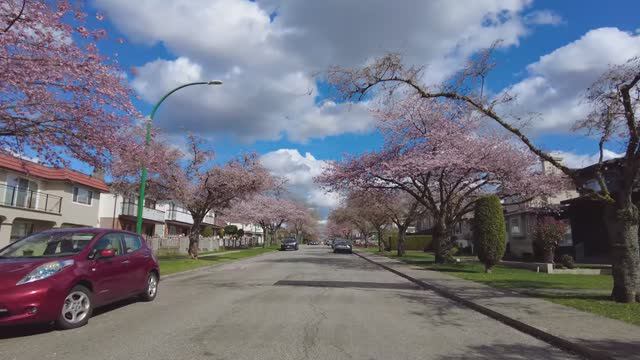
(159, 218)
(120, 212)
(178, 221)
(590, 236)
(34, 197)
(252, 231)
(521, 218)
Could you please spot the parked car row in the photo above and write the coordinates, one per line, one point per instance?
(62, 275)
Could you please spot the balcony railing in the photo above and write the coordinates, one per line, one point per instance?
(29, 199)
(131, 209)
(179, 215)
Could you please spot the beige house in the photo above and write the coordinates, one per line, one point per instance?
(178, 221)
(120, 212)
(520, 219)
(34, 197)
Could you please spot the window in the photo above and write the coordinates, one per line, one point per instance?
(131, 243)
(515, 226)
(110, 241)
(49, 244)
(82, 195)
(21, 229)
(149, 203)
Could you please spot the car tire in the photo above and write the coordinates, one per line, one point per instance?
(151, 289)
(76, 308)
(296, 247)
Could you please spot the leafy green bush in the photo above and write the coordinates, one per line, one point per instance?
(489, 231)
(207, 231)
(411, 242)
(567, 261)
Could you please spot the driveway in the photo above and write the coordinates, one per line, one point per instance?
(306, 304)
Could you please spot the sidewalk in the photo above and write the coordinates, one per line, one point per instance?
(603, 337)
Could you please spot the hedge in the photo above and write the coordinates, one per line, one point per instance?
(411, 242)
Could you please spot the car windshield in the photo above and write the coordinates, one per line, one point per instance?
(289, 241)
(340, 242)
(48, 244)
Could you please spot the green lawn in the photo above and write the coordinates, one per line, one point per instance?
(170, 264)
(584, 292)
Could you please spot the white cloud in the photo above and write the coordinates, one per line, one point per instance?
(269, 67)
(576, 161)
(556, 83)
(300, 171)
(543, 17)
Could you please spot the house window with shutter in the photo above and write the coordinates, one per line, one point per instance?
(82, 195)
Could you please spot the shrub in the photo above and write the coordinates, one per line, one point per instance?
(547, 234)
(411, 242)
(207, 231)
(567, 261)
(489, 231)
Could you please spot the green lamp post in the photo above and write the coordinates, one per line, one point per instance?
(143, 174)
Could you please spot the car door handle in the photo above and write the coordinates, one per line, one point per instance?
(125, 261)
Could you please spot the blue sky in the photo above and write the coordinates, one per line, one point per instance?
(273, 101)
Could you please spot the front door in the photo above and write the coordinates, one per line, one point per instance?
(110, 274)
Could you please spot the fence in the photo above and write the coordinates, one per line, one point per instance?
(180, 244)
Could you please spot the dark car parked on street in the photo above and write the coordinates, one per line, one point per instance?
(289, 244)
(342, 246)
(62, 275)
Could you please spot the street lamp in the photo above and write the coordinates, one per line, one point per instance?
(143, 174)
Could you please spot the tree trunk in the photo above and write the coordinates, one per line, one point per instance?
(441, 243)
(380, 249)
(194, 238)
(402, 231)
(622, 226)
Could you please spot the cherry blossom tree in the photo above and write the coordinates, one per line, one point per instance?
(305, 225)
(441, 156)
(615, 101)
(403, 210)
(348, 221)
(269, 211)
(367, 205)
(59, 97)
(339, 225)
(201, 187)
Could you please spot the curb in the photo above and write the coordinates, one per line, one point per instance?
(551, 339)
(207, 267)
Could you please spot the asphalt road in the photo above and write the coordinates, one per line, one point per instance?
(308, 304)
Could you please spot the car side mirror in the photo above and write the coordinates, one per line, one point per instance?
(107, 253)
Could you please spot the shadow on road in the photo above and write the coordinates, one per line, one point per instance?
(348, 284)
(343, 261)
(10, 332)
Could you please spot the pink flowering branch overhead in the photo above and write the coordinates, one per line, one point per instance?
(59, 97)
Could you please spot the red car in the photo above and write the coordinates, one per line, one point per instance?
(62, 275)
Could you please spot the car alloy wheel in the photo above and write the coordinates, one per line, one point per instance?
(76, 308)
(152, 287)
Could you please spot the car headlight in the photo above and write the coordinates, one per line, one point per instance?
(45, 270)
